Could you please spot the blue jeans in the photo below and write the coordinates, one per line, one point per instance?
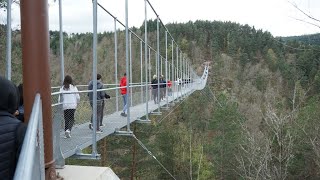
(125, 98)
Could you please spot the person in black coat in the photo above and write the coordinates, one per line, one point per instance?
(12, 130)
(154, 85)
(20, 112)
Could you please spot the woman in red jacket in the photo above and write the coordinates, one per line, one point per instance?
(123, 90)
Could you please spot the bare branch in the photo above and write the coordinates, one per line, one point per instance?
(309, 16)
(306, 22)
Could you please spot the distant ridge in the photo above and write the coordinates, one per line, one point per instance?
(312, 39)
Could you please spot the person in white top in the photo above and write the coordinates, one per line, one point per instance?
(70, 99)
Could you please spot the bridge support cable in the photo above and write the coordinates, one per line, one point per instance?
(166, 69)
(181, 73)
(127, 64)
(177, 72)
(116, 62)
(158, 61)
(153, 156)
(141, 73)
(150, 68)
(172, 71)
(130, 69)
(94, 80)
(60, 162)
(61, 43)
(171, 110)
(146, 59)
(8, 56)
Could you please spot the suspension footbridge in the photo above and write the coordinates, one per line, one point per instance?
(49, 150)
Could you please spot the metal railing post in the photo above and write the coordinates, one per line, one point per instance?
(127, 65)
(8, 57)
(141, 72)
(116, 62)
(94, 80)
(177, 74)
(150, 68)
(181, 72)
(130, 67)
(158, 61)
(61, 43)
(167, 106)
(172, 72)
(146, 57)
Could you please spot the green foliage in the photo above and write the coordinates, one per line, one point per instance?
(227, 136)
(317, 81)
(272, 60)
(306, 130)
(261, 83)
(312, 39)
(214, 127)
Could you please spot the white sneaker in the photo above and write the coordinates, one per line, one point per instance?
(102, 125)
(99, 131)
(68, 133)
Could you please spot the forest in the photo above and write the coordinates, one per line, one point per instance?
(256, 119)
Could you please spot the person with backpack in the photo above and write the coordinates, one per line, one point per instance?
(123, 89)
(70, 99)
(12, 130)
(100, 102)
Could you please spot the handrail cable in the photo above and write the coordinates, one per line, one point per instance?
(125, 26)
(135, 33)
(161, 22)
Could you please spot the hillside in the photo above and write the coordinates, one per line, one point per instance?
(313, 39)
(257, 118)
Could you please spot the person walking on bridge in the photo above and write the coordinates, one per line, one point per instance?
(169, 83)
(154, 85)
(100, 102)
(70, 99)
(123, 89)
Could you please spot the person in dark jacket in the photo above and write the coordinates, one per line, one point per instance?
(12, 130)
(20, 115)
(154, 85)
(100, 102)
(162, 87)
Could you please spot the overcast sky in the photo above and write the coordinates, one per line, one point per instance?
(276, 16)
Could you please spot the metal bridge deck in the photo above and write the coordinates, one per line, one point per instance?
(81, 136)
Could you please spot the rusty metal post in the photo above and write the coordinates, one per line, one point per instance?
(36, 76)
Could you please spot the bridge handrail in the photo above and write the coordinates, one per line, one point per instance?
(85, 85)
(106, 89)
(31, 161)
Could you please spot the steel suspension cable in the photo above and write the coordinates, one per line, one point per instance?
(153, 156)
(172, 110)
